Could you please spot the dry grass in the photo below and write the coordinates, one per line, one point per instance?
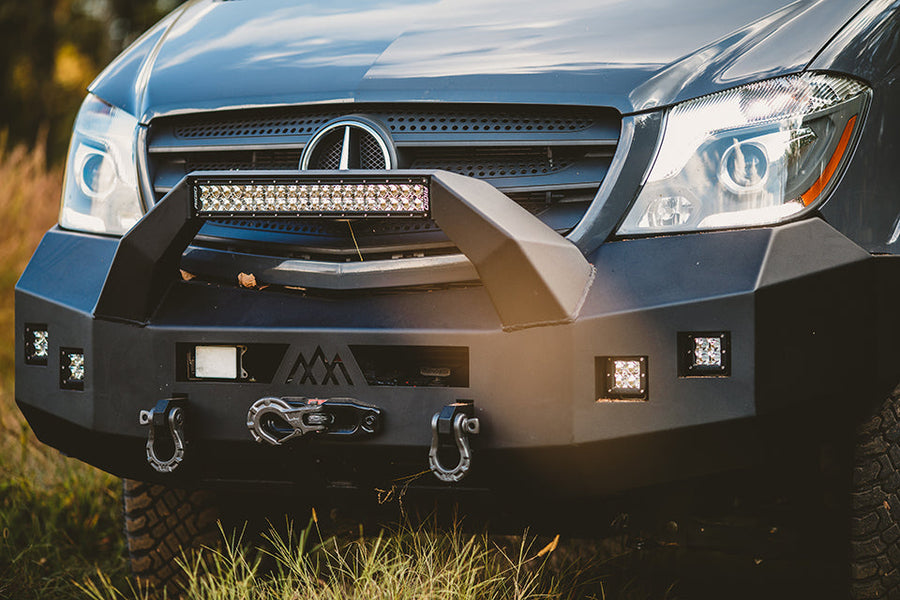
(29, 203)
(58, 518)
(404, 564)
(29, 200)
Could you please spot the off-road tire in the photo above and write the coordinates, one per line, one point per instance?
(875, 505)
(162, 523)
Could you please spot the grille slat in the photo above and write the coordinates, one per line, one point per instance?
(498, 162)
(215, 127)
(550, 159)
(507, 171)
(286, 122)
(452, 124)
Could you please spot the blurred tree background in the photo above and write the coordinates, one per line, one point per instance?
(50, 50)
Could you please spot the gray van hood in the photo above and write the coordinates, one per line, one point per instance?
(629, 54)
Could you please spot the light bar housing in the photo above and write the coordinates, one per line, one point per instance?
(513, 252)
(332, 196)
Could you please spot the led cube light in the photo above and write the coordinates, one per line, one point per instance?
(71, 368)
(313, 197)
(627, 375)
(621, 378)
(76, 366)
(704, 354)
(707, 352)
(37, 344)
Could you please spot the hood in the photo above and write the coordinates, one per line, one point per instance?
(629, 54)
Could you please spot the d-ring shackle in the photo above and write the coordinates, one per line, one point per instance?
(457, 422)
(166, 420)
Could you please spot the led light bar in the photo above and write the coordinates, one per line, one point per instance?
(335, 197)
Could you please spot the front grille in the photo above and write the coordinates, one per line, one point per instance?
(550, 159)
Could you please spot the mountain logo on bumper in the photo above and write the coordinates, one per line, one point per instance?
(318, 370)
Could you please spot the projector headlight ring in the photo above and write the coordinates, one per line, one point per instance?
(753, 155)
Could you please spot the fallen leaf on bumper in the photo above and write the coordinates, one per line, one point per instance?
(247, 280)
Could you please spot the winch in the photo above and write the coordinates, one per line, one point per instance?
(277, 420)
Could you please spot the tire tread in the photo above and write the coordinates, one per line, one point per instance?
(160, 524)
(875, 505)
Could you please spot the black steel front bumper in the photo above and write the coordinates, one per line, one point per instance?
(807, 312)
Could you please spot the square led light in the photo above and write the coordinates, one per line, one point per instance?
(707, 352)
(37, 344)
(337, 196)
(217, 362)
(76, 366)
(704, 354)
(621, 378)
(71, 368)
(627, 375)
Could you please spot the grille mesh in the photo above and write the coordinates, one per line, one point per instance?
(291, 122)
(481, 164)
(224, 161)
(370, 156)
(535, 161)
(461, 121)
(205, 127)
(328, 153)
(331, 228)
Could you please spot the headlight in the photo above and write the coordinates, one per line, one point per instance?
(754, 155)
(100, 194)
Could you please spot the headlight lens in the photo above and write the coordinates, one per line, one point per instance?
(754, 155)
(100, 194)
